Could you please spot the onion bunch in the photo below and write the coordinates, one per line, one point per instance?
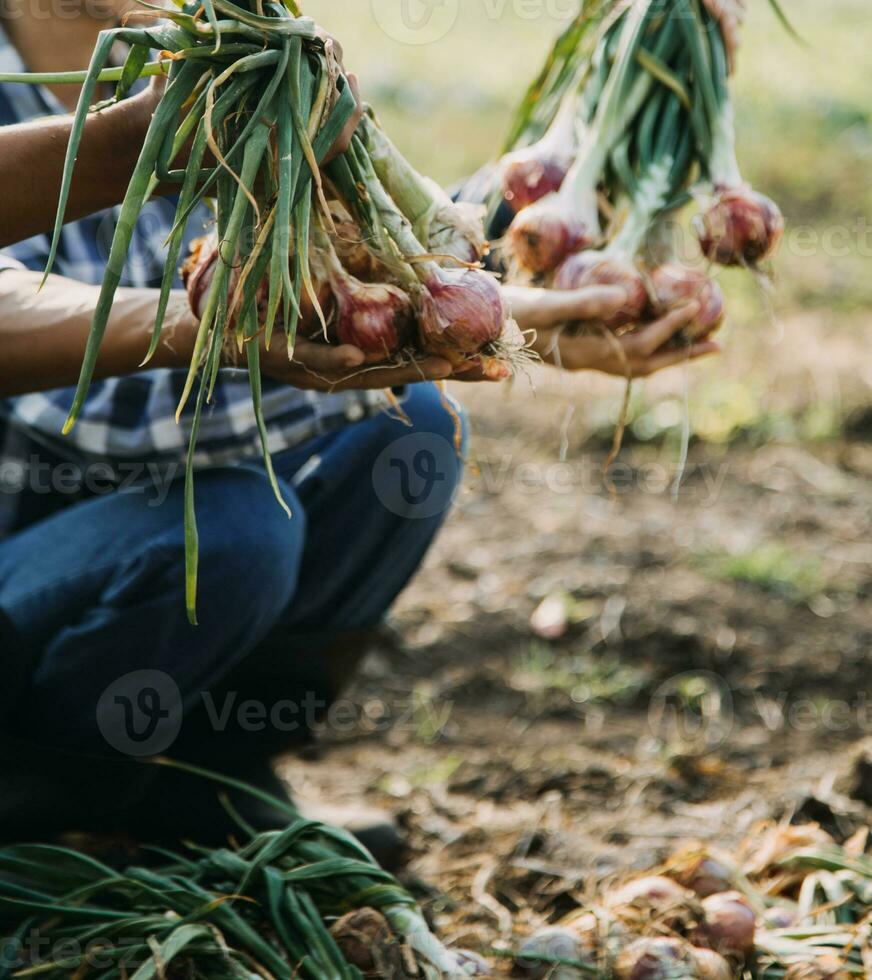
(652, 131)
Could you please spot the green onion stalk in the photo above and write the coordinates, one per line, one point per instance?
(568, 220)
(564, 72)
(552, 122)
(742, 227)
(650, 191)
(448, 229)
(630, 56)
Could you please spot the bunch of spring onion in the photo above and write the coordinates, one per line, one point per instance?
(640, 124)
(262, 909)
(257, 99)
(797, 906)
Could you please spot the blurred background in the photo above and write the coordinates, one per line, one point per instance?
(580, 676)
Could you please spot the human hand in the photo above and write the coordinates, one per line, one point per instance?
(638, 354)
(548, 309)
(334, 51)
(730, 15)
(322, 367)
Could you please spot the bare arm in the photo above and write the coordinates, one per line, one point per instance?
(32, 161)
(43, 335)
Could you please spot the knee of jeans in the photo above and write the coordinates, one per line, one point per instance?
(250, 546)
(249, 552)
(431, 411)
(417, 469)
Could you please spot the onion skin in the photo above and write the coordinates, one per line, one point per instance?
(674, 285)
(780, 917)
(702, 872)
(655, 890)
(528, 176)
(556, 942)
(779, 841)
(198, 270)
(376, 318)
(655, 898)
(457, 231)
(355, 256)
(711, 965)
(729, 926)
(543, 235)
(656, 959)
(359, 934)
(462, 312)
(827, 967)
(593, 268)
(741, 228)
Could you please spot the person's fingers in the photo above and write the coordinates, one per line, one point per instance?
(482, 369)
(646, 340)
(667, 359)
(327, 360)
(592, 303)
(730, 15)
(428, 369)
(354, 85)
(332, 42)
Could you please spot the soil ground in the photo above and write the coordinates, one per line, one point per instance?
(711, 672)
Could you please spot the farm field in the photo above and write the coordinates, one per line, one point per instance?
(713, 667)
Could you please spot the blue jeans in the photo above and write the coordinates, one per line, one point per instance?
(95, 593)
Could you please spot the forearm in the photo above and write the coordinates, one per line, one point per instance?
(32, 162)
(43, 333)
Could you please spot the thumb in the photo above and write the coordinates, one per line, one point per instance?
(594, 302)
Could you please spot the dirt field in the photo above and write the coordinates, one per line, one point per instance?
(712, 670)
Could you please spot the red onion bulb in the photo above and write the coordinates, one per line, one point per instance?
(741, 228)
(543, 235)
(711, 965)
(462, 312)
(702, 872)
(729, 925)
(529, 174)
(199, 270)
(826, 967)
(656, 959)
(375, 317)
(593, 268)
(674, 284)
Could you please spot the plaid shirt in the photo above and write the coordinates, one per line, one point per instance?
(127, 426)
